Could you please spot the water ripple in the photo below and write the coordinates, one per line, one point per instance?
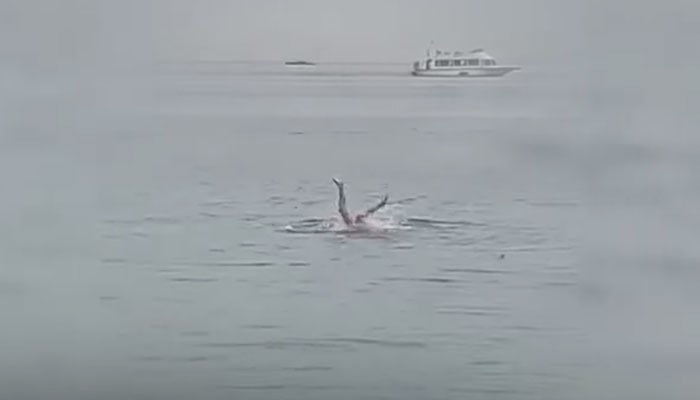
(278, 345)
(471, 311)
(476, 270)
(440, 224)
(298, 264)
(285, 387)
(309, 368)
(263, 326)
(235, 264)
(428, 279)
(192, 280)
(342, 343)
(376, 342)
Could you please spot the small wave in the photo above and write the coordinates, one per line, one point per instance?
(468, 313)
(308, 203)
(308, 368)
(554, 203)
(262, 326)
(437, 223)
(255, 387)
(375, 342)
(162, 220)
(476, 270)
(151, 219)
(298, 264)
(234, 264)
(409, 200)
(335, 225)
(471, 311)
(209, 214)
(428, 279)
(302, 387)
(192, 280)
(483, 363)
(220, 203)
(310, 225)
(278, 344)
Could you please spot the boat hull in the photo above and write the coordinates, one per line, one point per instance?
(481, 72)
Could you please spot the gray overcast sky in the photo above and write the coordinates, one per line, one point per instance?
(333, 30)
(50, 33)
(364, 30)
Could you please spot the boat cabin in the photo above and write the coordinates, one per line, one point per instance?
(448, 63)
(447, 59)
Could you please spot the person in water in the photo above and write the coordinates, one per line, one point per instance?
(358, 219)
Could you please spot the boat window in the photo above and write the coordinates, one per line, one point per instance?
(473, 61)
(489, 62)
(442, 63)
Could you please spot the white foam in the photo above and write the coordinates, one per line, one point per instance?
(388, 219)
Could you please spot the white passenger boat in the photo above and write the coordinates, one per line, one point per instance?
(476, 63)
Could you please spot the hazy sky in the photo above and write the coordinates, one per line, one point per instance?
(46, 33)
(55, 32)
(363, 30)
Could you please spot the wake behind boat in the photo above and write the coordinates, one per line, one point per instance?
(476, 63)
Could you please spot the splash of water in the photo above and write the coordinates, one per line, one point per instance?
(389, 219)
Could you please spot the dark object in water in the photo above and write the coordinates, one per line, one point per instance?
(298, 62)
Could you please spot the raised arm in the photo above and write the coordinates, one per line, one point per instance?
(342, 208)
(379, 206)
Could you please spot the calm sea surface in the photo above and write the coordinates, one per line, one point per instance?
(169, 240)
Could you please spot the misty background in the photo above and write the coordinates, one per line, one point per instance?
(73, 67)
(46, 34)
